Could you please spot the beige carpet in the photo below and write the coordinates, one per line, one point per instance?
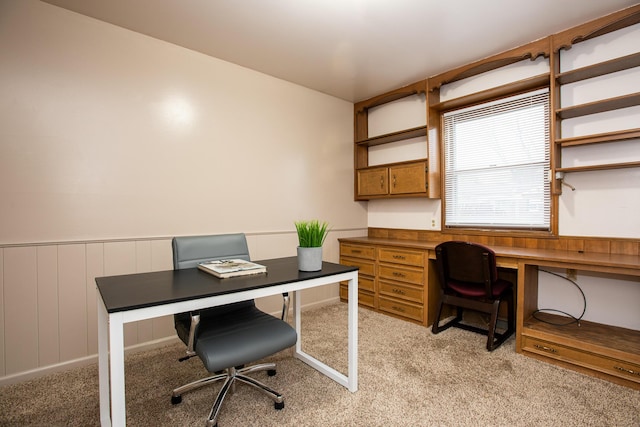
(407, 377)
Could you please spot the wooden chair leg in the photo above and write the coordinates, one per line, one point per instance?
(435, 328)
(492, 325)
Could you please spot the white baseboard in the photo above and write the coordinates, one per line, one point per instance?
(82, 361)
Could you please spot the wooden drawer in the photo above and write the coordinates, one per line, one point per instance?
(366, 267)
(401, 256)
(364, 297)
(357, 251)
(597, 362)
(402, 274)
(404, 309)
(397, 290)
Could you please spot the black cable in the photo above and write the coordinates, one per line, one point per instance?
(575, 319)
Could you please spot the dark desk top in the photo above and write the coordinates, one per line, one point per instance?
(132, 291)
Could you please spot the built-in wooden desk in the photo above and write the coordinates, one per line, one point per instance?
(597, 349)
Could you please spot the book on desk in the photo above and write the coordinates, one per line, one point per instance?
(225, 268)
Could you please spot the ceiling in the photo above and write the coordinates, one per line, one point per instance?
(351, 49)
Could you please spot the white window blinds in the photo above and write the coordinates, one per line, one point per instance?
(496, 163)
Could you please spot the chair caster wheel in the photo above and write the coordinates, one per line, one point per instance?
(176, 399)
(278, 406)
(271, 372)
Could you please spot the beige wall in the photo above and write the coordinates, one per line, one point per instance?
(111, 142)
(107, 133)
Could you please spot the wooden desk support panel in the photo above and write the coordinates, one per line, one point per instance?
(604, 351)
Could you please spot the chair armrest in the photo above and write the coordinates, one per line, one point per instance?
(195, 321)
(285, 306)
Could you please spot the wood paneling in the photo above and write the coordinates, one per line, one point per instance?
(20, 309)
(2, 358)
(48, 297)
(72, 301)
(94, 268)
(48, 313)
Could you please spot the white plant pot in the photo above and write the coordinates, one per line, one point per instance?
(310, 259)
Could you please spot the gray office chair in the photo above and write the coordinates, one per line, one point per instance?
(227, 337)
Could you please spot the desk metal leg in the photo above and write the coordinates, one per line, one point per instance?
(116, 364)
(350, 381)
(103, 363)
(353, 334)
(111, 367)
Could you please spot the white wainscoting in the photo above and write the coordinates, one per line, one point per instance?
(48, 296)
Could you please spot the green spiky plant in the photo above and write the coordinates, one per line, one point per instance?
(311, 234)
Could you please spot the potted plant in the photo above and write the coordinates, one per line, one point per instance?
(311, 237)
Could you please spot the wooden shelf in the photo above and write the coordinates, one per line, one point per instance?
(601, 106)
(531, 83)
(620, 135)
(590, 334)
(599, 167)
(600, 69)
(393, 137)
(585, 32)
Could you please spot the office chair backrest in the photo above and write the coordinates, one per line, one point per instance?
(466, 262)
(189, 251)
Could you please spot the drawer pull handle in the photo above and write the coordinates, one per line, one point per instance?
(627, 371)
(396, 308)
(545, 348)
(398, 291)
(399, 257)
(398, 274)
(356, 251)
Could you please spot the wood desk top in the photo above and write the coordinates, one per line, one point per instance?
(629, 263)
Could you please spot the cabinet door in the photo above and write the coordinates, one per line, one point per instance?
(373, 182)
(410, 178)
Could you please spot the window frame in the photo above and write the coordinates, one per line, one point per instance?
(553, 199)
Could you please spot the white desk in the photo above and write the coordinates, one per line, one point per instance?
(133, 297)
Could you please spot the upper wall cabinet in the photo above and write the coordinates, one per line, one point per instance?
(392, 162)
(596, 69)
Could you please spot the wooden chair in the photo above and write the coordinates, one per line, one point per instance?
(469, 280)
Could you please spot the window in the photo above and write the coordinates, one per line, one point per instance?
(496, 164)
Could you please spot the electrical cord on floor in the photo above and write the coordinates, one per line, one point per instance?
(544, 310)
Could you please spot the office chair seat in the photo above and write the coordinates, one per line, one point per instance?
(475, 290)
(223, 342)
